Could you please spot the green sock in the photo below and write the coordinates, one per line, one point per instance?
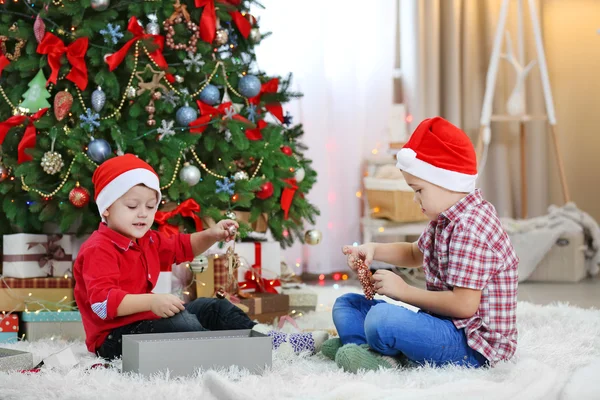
(330, 347)
(353, 358)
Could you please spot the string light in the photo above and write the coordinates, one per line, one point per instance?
(359, 194)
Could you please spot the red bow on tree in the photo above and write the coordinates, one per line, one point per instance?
(28, 139)
(134, 27)
(273, 108)
(3, 62)
(188, 208)
(208, 21)
(255, 134)
(55, 48)
(288, 195)
(207, 113)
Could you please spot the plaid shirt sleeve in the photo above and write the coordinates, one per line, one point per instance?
(471, 262)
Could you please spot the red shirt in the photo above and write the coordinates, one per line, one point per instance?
(467, 247)
(110, 266)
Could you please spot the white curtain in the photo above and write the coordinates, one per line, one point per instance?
(341, 54)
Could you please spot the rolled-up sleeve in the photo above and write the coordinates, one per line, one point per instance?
(175, 249)
(101, 276)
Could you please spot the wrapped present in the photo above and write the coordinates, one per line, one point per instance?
(267, 318)
(261, 267)
(15, 360)
(223, 279)
(204, 276)
(30, 256)
(35, 293)
(301, 298)
(9, 328)
(261, 303)
(47, 324)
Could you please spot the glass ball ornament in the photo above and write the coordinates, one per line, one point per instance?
(313, 237)
(98, 99)
(266, 191)
(52, 162)
(98, 150)
(255, 35)
(230, 215)
(299, 174)
(210, 95)
(190, 174)
(100, 5)
(130, 92)
(240, 176)
(249, 86)
(153, 28)
(185, 115)
(221, 37)
(3, 173)
(79, 196)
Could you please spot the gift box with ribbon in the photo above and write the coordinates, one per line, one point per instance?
(261, 267)
(9, 328)
(53, 324)
(36, 293)
(31, 256)
(223, 279)
(266, 303)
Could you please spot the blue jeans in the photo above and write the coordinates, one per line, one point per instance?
(201, 314)
(393, 331)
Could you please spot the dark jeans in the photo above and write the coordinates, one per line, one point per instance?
(203, 314)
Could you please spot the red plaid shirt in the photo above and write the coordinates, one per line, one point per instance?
(467, 247)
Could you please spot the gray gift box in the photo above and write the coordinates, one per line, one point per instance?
(14, 360)
(182, 353)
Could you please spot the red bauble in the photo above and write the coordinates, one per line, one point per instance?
(62, 104)
(266, 191)
(79, 196)
(287, 150)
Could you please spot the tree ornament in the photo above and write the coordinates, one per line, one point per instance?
(112, 34)
(185, 115)
(249, 86)
(79, 196)
(166, 129)
(18, 47)
(221, 37)
(364, 277)
(230, 215)
(266, 191)
(89, 120)
(287, 150)
(98, 99)
(63, 101)
(100, 5)
(225, 185)
(179, 15)
(98, 150)
(193, 61)
(130, 92)
(154, 85)
(240, 176)
(35, 97)
(299, 174)
(153, 28)
(190, 174)
(313, 237)
(255, 35)
(39, 28)
(52, 162)
(210, 95)
(3, 172)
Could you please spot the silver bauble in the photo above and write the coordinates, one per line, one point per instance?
(98, 99)
(255, 35)
(185, 115)
(100, 5)
(189, 174)
(240, 176)
(3, 172)
(52, 162)
(130, 92)
(153, 28)
(179, 79)
(98, 150)
(299, 174)
(230, 215)
(249, 86)
(313, 237)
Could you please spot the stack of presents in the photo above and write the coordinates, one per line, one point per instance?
(36, 285)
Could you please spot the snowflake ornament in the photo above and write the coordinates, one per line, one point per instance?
(252, 113)
(112, 34)
(166, 129)
(227, 136)
(287, 119)
(225, 186)
(171, 98)
(230, 112)
(193, 61)
(89, 120)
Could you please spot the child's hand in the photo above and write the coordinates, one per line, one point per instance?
(225, 230)
(365, 252)
(166, 305)
(389, 284)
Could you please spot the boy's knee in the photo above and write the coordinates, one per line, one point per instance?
(379, 326)
(347, 300)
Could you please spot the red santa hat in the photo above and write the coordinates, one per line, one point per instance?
(114, 177)
(440, 153)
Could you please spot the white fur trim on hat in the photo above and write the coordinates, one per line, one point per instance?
(451, 180)
(122, 183)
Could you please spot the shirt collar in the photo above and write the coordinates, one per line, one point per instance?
(469, 201)
(119, 240)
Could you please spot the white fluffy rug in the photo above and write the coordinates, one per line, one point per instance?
(558, 358)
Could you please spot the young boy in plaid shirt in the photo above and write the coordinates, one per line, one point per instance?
(468, 312)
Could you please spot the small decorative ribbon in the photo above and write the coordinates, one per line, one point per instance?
(288, 195)
(286, 318)
(208, 21)
(256, 134)
(134, 27)
(208, 113)
(3, 63)
(188, 208)
(55, 48)
(54, 252)
(273, 108)
(28, 139)
(253, 277)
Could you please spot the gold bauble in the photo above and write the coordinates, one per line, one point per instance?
(313, 237)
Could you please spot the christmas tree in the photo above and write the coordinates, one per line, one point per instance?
(173, 82)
